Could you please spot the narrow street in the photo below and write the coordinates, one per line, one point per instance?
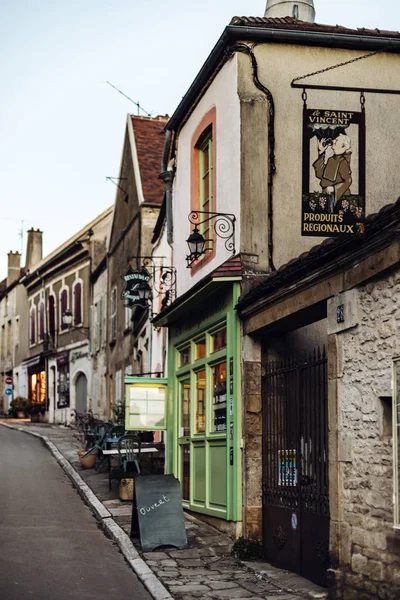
(50, 545)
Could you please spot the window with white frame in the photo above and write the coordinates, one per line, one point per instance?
(32, 325)
(396, 440)
(41, 321)
(113, 315)
(77, 296)
(63, 307)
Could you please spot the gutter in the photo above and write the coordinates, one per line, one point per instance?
(233, 33)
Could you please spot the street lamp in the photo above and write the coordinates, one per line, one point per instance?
(67, 321)
(224, 227)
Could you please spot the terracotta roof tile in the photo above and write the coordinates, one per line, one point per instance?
(296, 25)
(230, 268)
(329, 250)
(149, 138)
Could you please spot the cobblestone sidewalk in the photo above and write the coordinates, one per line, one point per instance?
(206, 568)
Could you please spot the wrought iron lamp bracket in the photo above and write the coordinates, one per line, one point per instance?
(224, 228)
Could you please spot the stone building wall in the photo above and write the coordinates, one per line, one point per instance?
(368, 547)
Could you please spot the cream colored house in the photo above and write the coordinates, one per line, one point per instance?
(244, 149)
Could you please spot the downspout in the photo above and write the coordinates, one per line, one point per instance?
(167, 176)
(271, 141)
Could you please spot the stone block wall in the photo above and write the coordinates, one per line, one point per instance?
(363, 540)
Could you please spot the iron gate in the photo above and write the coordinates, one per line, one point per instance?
(295, 465)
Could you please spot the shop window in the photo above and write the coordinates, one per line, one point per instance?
(63, 385)
(33, 325)
(218, 340)
(185, 462)
(63, 307)
(396, 440)
(38, 387)
(52, 314)
(41, 321)
(185, 409)
(219, 396)
(200, 401)
(77, 304)
(184, 356)
(201, 348)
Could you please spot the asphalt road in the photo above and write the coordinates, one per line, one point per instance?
(50, 545)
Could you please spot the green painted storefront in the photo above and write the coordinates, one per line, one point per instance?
(204, 401)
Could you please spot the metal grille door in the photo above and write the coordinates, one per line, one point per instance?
(295, 465)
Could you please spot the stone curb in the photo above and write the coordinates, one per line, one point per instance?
(131, 555)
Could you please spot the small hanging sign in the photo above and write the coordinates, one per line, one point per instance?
(333, 191)
(135, 281)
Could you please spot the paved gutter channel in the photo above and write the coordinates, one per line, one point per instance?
(203, 570)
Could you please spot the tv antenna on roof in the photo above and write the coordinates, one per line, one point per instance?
(20, 231)
(140, 108)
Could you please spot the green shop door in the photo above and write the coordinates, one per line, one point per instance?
(184, 439)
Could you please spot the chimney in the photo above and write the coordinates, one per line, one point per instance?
(33, 248)
(298, 9)
(14, 267)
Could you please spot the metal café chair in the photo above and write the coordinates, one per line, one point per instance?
(128, 446)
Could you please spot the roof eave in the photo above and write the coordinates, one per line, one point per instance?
(233, 33)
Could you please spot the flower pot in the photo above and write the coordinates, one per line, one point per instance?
(126, 487)
(20, 414)
(87, 462)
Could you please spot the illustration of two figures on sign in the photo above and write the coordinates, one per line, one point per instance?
(333, 168)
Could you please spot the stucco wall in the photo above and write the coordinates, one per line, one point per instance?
(222, 95)
(362, 535)
(278, 65)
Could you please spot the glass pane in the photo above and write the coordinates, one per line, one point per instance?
(218, 340)
(184, 356)
(185, 410)
(146, 407)
(201, 348)
(200, 401)
(219, 396)
(185, 470)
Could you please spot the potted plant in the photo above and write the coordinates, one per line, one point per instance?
(19, 407)
(36, 411)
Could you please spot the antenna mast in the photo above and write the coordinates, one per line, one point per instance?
(139, 108)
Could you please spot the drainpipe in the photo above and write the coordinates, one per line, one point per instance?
(167, 176)
(271, 141)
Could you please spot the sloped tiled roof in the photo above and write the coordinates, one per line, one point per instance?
(230, 268)
(329, 251)
(149, 138)
(296, 25)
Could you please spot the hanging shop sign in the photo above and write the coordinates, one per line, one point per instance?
(136, 289)
(333, 191)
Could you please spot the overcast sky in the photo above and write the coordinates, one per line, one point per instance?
(62, 125)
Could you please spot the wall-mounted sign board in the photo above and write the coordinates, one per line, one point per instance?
(333, 190)
(145, 402)
(158, 510)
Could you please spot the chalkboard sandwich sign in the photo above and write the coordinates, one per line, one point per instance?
(158, 510)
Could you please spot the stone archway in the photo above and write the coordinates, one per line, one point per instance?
(81, 400)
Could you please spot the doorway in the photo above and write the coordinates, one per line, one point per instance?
(295, 464)
(81, 393)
